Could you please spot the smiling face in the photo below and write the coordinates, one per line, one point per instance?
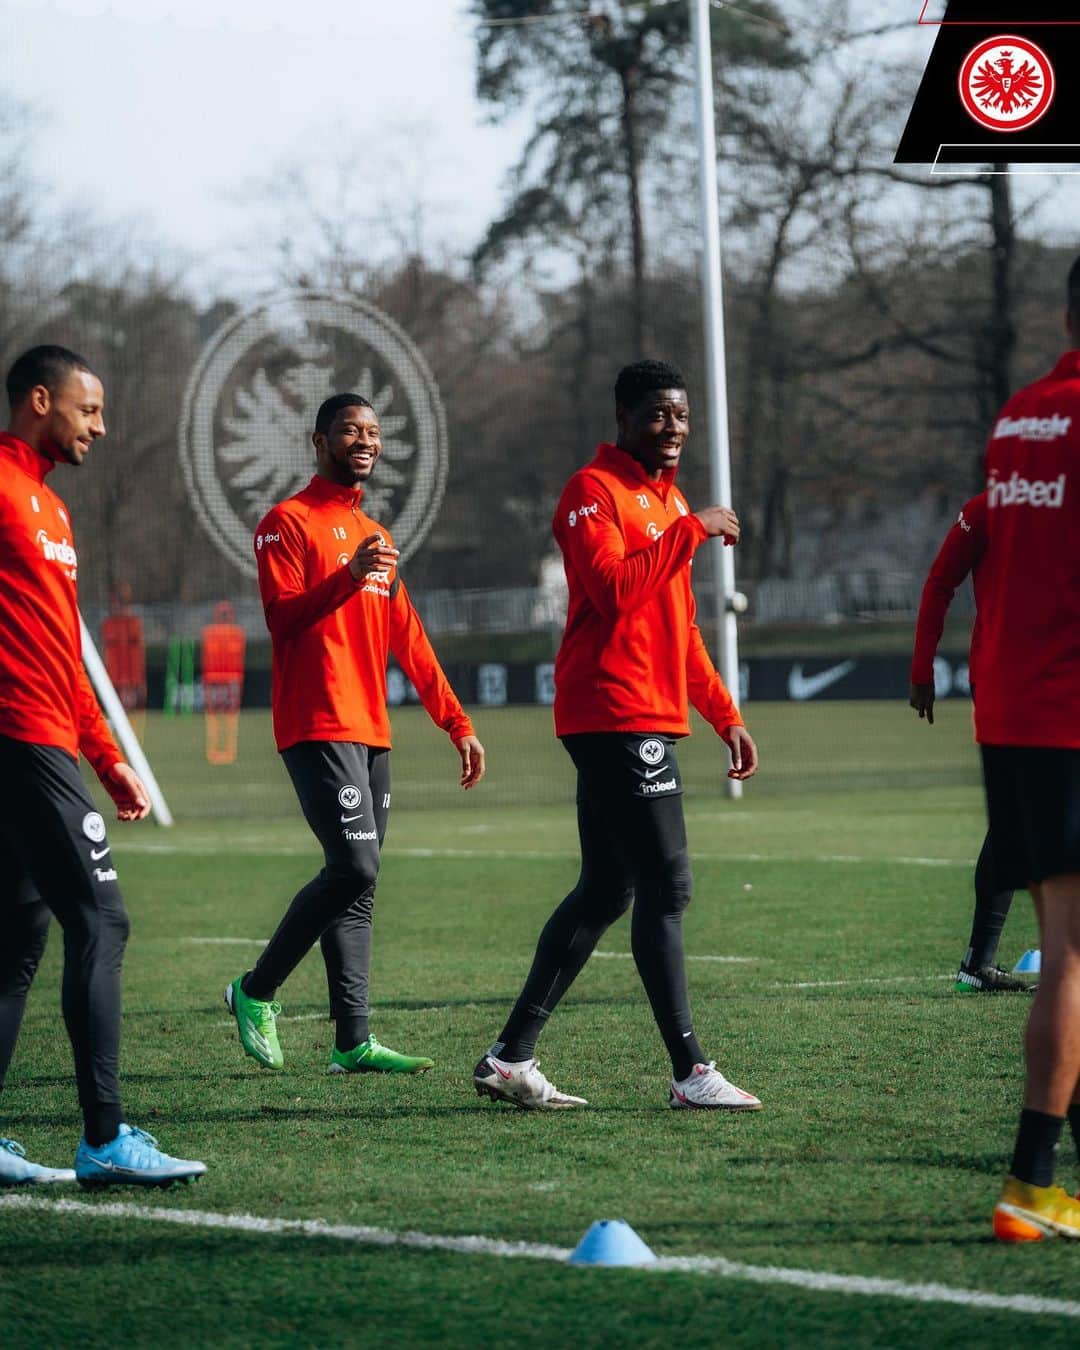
(70, 416)
(347, 452)
(654, 430)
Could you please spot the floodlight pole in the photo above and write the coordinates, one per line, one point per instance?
(715, 355)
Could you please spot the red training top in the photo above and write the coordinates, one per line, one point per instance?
(331, 634)
(1029, 648)
(960, 555)
(631, 652)
(45, 694)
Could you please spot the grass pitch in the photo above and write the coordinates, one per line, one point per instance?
(843, 882)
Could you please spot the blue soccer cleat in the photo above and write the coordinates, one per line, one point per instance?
(16, 1171)
(131, 1159)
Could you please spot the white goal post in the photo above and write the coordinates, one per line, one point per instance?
(122, 728)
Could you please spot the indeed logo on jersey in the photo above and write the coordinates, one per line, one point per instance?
(1017, 491)
(1050, 428)
(357, 835)
(61, 552)
(651, 789)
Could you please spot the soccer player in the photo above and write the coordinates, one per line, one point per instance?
(961, 555)
(1027, 720)
(54, 853)
(630, 657)
(336, 607)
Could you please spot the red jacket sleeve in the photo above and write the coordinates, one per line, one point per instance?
(95, 739)
(708, 692)
(416, 657)
(289, 606)
(960, 553)
(615, 581)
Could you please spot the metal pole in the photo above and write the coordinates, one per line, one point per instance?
(715, 355)
(125, 732)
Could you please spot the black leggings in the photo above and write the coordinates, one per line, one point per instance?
(344, 791)
(633, 852)
(55, 859)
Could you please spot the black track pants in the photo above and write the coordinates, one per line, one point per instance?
(344, 791)
(633, 851)
(55, 858)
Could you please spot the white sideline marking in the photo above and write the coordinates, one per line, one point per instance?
(819, 1281)
(734, 960)
(301, 851)
(229, 942)
(836, 984)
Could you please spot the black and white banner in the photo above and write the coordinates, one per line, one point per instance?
(1000, 87)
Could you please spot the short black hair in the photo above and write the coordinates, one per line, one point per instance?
(48, 365)
(333, 405)
(1074, 289)
(644, 377)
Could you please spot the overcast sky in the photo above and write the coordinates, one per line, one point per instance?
(173, 112)
(169, 111)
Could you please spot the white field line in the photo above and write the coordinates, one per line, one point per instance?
(728, 960)
(837, 984)
(299, 851)
(228, 942)
(818, 1281)
(614, 956)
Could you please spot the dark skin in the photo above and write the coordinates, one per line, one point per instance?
(653, 431)
(346, 453)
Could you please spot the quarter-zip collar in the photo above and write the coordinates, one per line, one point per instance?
(620, 461)
(30, 460)
(336, 492)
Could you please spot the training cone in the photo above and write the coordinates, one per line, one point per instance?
(1030, 963)
(611, 1242)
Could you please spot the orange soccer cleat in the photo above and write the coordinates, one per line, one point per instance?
(1026, 1213)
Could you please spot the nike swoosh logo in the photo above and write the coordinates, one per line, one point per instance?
(802, 687)
(98, 853)
(506, 1076)
(651, 773)
(345, 819)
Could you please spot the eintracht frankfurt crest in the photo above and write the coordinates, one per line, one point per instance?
(1007, 83)
(249, 411)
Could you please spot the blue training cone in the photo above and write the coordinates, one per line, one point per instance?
(611, 1242)
(1030, 963)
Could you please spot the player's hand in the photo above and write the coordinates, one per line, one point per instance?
(126, 789)
(472, 761)
(744, 757)
(373, 554)
(722, 521)
(922, 700)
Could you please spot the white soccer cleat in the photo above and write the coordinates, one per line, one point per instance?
(707, 1089)
(521, 1085)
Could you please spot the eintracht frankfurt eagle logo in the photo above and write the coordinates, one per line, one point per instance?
(1007, 83)
(249, 411)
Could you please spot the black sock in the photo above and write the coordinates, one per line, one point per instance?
(250, 986)
(352, 1030)
(1074, 1124)
(991, 910)
(1036, 1147)
(682, 1065)
(101, 1123)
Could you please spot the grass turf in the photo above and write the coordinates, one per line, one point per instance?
(844, 877)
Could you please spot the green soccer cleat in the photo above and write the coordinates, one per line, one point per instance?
(371, 1057)
(257, 1023)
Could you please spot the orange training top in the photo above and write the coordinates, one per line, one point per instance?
(631, 655)
(45, 694)
(330, 634)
